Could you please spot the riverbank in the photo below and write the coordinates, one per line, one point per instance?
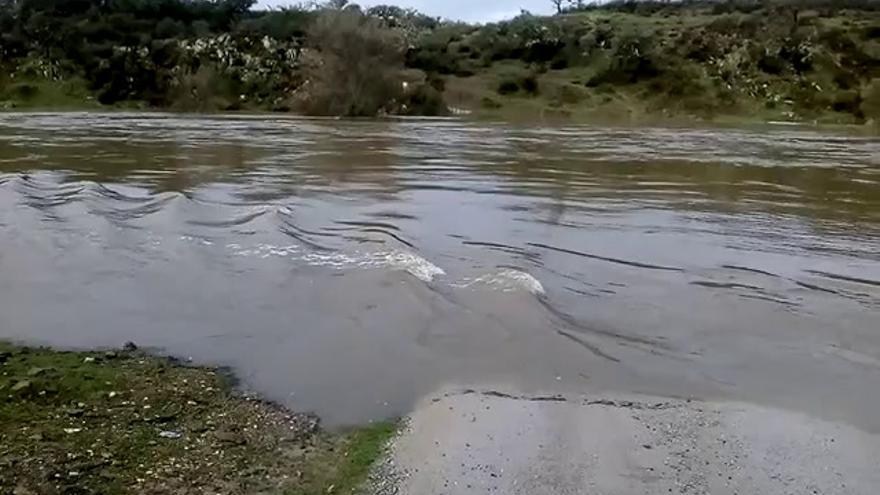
(519, 113)
(470, 95)
(802, 61)
(490, 441)
(128, 422)
(125, 421)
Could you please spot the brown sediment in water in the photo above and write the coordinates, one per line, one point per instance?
(350, 267)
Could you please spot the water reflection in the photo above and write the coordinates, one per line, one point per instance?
(799, 173)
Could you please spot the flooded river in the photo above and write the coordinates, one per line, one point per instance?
(349, 268)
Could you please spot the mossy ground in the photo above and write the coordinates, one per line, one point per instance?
(126, 422)
(41, 94)
(562, 97)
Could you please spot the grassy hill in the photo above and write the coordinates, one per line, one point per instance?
(672, 62)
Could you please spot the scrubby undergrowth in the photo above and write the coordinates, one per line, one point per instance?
(762, 59)
(707, 60)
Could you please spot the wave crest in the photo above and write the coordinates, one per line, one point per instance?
(509, 280)
(398, 260)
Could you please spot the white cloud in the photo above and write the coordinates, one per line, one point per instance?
(465, 10)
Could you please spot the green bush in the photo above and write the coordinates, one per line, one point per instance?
(437, 82)
(844, 78)
(870, 104)
(489, 103)
(526, 82)
(633, 57)
(355, 66)
(529, 84)
(726, 23)
(568, 94)
(559, 63)
(770, 62)
(204, 90)
(807, 97)
(23, 91)
(445, 50)
(508, 87)
(169, 28)
(847, 102)
(424, 100)
(871, 32)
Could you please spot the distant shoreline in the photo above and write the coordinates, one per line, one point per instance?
(732, 122)
(627, 61)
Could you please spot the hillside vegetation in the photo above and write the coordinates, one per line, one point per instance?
(800, 60)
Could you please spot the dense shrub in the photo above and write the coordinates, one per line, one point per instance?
(424, 99)
(529, 84)
(847, 102)
(507, 87)
(490, 103)
(284, 24)
(355, 65)
(770, 62)
(204, 90)
(24, 91)
(568, 94)
(434, 51)
(872, 32)
(518, 81)
(870, 104)
(202, 54)
(632, 58)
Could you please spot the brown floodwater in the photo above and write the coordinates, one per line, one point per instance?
(349, 267)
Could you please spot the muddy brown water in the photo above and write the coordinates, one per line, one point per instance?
(348, 268)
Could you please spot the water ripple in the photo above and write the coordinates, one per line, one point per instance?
(375, 259)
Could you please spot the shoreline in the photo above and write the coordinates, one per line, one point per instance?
(658, 121)
(125, 421)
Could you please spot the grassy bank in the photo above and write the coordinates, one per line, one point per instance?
(127, 422)
(40, 94)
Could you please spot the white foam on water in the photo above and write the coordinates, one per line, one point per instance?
(413, 264)
(397, 260)
(197, 240)
(264, 250)
(507, 280)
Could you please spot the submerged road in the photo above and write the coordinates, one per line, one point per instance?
(485, 441)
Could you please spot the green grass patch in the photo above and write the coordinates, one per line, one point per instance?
(126, 422)
(72, 94)
(347, 466)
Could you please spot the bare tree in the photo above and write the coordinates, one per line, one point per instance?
(558, 5)
(355, 65)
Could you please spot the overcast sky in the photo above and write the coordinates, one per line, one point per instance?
(466, 10)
